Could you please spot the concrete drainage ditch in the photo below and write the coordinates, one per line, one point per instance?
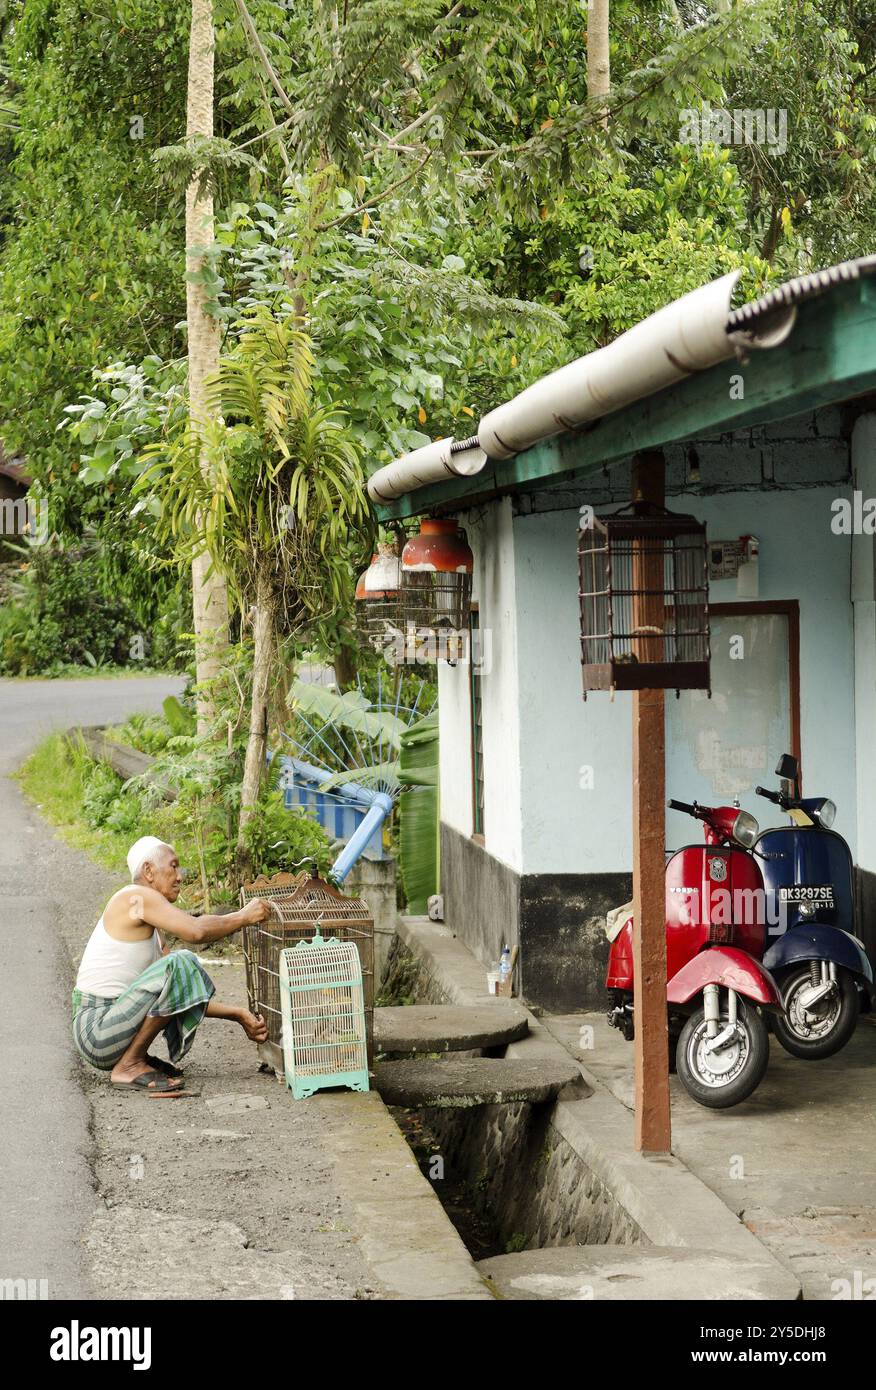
(532, 1163)
(519, 1180)
(507, 1180)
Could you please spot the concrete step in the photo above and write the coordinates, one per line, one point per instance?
(448, 1027)
(668, 1272)
(462, 1082)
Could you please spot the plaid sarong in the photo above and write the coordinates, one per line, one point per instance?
(176, 986)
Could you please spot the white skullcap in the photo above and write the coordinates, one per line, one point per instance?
(142, 850)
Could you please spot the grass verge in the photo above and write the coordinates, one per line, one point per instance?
(54, 778)
(65, 672)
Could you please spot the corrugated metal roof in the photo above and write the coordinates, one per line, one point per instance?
(797, 290)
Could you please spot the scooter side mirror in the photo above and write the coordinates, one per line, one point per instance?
(788, 772)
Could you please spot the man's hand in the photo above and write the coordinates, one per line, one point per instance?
(254, 1026)
(256, 911)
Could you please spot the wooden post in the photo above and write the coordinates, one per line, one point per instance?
(653, 1123)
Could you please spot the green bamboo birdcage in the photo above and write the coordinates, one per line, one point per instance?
(323, 1017)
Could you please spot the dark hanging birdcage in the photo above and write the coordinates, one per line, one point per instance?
(644, 597)
(436, 572)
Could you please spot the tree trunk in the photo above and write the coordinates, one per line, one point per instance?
(210, 595)
(345, 667)
(253, 769)
(598, 66)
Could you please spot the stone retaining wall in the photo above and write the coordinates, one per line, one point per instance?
(408, 980)
(526, 1180)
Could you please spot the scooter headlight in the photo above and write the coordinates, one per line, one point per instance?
(826, 814)
(745, 829)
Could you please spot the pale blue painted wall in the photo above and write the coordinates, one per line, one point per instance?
(569, 827)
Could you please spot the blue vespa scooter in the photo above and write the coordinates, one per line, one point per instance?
(821, 968)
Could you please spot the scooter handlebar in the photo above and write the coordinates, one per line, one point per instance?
(775, 797)
(685, 806)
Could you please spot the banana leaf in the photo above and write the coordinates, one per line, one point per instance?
(383, 777)
(419, 825)
(348, 711)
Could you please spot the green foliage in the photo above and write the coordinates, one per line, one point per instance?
(812, 203)
(91, 265)
(107, 814)
(104, 804)
(180, 719)
(148, 733)
(436, 160)
(59, 615)
(277, 838)
(15, 624)
(55, 776)
(350, 713)
(516, 1243)
(282, 487)
(647, 245)
(207, 156)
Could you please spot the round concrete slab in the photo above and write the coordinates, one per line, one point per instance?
(448, 1027)
(461, 1082)
(626, 1272)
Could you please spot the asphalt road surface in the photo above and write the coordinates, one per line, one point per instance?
(47, 1195)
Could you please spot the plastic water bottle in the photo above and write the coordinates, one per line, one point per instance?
(505, 964)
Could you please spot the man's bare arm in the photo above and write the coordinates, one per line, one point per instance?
(152, 908)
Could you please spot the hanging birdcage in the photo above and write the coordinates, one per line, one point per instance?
(644, 599)
(377, 601)
(301, 905)
(436, 574)
(323, 1017)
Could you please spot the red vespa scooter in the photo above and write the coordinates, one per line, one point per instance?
(715, 936)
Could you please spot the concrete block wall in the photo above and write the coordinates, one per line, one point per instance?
(805, 451)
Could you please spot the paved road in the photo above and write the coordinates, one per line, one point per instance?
(46, 1190)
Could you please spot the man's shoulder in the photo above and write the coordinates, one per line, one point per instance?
(129, 900)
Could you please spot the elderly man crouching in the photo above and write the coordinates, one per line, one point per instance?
(130, 987)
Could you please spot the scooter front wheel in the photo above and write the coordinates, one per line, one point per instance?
(820, 1029)
(724, 1077)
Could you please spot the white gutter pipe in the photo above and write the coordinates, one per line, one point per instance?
(434, 463)
(684, 337)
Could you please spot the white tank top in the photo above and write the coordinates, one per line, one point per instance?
(109, 966)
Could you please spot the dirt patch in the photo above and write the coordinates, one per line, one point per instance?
(226, 1194)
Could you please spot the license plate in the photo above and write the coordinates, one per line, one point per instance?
(821, 893)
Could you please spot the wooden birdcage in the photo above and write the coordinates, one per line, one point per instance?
(323, 1017)
(644, 600)
(302, 905)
